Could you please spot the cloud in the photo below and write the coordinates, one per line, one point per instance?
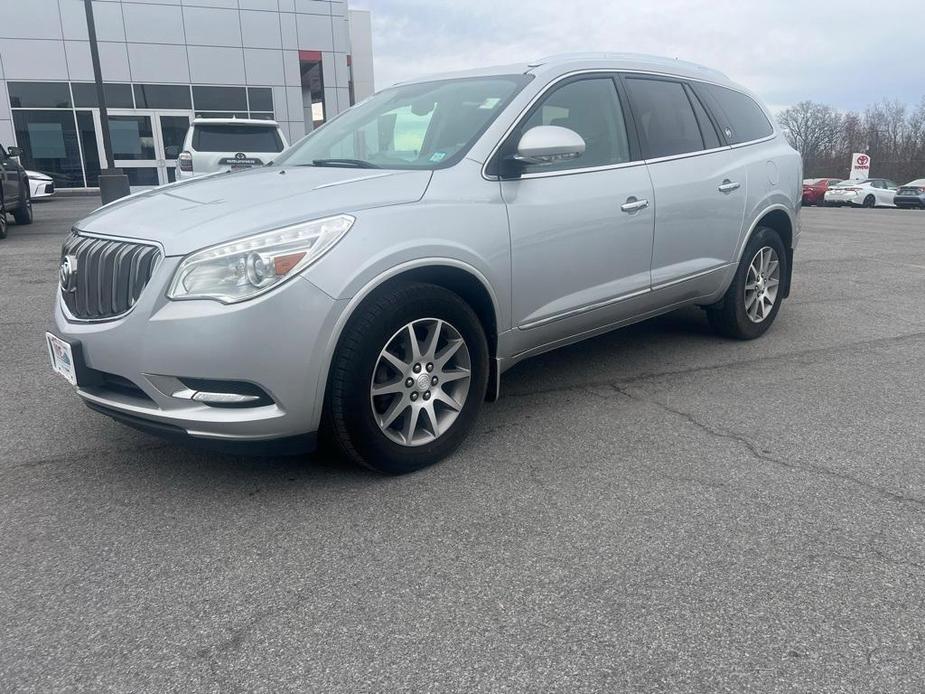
(785, 50)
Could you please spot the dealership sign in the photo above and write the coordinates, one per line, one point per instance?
(860, 166)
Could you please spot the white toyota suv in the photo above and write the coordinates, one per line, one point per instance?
(222, 144)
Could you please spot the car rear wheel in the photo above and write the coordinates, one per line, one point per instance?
(408, 379)
(753, 300)
(870, 201)
(2, 220)
(23, 214)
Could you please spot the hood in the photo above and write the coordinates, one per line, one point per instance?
(190, 215)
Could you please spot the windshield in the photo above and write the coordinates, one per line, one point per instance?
(916, 182)
(416, 126)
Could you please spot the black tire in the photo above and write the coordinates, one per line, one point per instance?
(729, 317)
(870, 201)
(23, 213)
(2, 220)
(349, 418)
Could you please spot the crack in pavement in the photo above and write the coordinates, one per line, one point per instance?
(819, 351)
(759, 453)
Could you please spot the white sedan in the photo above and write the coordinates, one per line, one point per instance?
(872, 192)
(40, 185)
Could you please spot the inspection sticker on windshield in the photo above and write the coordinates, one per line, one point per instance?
(438, 156)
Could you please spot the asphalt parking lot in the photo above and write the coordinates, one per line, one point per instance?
(654, 510)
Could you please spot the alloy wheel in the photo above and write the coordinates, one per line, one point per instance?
(420, 382)
(762, 284)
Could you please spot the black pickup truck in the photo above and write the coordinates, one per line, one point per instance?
(14, 190)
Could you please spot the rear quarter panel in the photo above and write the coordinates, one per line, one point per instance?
(775, 182)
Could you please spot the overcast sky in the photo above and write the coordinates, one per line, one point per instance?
(845, 53)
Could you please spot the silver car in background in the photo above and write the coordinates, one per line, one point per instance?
(376, 281)
(228, 144)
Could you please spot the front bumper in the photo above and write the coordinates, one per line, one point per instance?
(277, 342)
(40, 188)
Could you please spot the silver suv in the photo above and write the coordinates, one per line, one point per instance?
(376, 281)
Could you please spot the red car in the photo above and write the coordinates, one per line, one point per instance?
(814, 189)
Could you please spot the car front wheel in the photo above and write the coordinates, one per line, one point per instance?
(752, 301)
(408, 378)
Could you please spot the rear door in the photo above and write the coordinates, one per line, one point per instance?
(699, 183)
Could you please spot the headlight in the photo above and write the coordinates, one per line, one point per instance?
(243, 269)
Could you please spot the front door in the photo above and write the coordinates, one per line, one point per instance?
(145, 144)
(581, 230)
(9, 178)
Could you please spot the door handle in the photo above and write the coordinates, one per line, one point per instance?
(633, 205)
(729, 186)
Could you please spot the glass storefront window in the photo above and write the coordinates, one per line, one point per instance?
(172, 96)
(39, 95)
(48, 140)
(173, 132)
(220, 98)
(132, 137)
(260, 98)
(117, 95)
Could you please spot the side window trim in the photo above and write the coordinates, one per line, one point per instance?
(493, 168)
(637, 147)
(720, 136)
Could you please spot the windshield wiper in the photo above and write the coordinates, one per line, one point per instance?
(348, 163)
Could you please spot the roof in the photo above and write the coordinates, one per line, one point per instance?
(583, 61)
(235, 121)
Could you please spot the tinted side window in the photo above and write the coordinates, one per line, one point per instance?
(664, 117)
(590, 107)
(744, 117)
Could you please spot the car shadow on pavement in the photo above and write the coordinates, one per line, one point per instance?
(651, 342)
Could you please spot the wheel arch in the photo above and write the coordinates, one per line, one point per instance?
(780, 219)
(459, 277)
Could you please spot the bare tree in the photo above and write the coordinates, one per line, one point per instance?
(888, 131)
(812, 128)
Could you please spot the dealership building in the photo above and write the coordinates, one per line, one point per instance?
(298, 62)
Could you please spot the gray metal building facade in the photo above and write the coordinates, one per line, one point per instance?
(164, 61)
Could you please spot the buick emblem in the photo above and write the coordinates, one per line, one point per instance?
(240, 155)
(67, 273)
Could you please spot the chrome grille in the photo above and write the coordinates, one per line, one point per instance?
(108, 276)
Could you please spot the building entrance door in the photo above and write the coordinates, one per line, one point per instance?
(146, 144)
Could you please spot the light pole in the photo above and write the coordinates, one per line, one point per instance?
(113, 183)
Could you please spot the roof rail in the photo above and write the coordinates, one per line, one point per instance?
(635, 57)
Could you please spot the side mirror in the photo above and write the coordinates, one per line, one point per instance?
(549, 144)
(14, 152)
